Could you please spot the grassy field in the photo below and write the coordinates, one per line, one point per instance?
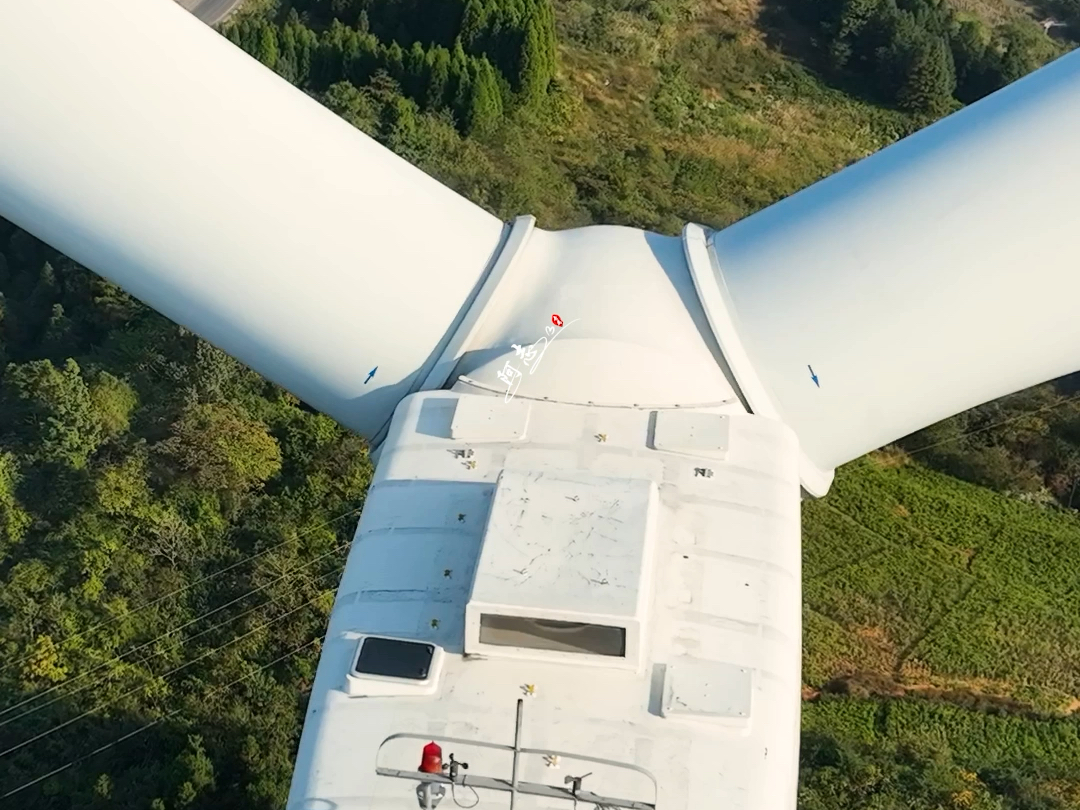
(994, 761)
(916, 581)
(681, 110)
(940, 612)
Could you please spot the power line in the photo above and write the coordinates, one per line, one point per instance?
(1002, 423)
(172, 671)
(151, 724)
(170, 632)
(190, 585)
(120, 657)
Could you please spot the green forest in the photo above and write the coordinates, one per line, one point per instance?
(172, 526)
(920, 55)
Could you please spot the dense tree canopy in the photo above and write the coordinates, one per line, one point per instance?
(919, 54)
(472, 60)
(170, 523)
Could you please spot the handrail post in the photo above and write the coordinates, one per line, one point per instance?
(517, 750)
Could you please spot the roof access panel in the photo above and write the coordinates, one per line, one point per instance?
(568, 542)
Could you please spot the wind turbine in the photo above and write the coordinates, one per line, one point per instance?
(612, 545)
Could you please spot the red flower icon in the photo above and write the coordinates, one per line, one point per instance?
(555, 319)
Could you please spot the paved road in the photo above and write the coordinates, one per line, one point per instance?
(210, 12)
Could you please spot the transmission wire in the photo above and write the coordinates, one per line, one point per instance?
(120, 657)
(190, 585)
(151, 724)
(206, 654)
(1002, 423)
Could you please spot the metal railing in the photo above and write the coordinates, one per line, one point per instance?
(513, 786)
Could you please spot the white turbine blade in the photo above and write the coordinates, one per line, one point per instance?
(147, 147)
(933, 276)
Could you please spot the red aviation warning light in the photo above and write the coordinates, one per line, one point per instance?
(432, 759)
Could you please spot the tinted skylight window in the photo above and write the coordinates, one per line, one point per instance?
(392, 658)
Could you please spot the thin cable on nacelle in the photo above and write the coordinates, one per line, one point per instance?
(152, 723)
(190, 585)
(1002, 423)
(120, 657)
(453, 795)
(172, 671)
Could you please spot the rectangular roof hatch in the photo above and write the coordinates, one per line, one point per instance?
(711, 690)
(693, 433)
(564, 569)
(489, 419)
